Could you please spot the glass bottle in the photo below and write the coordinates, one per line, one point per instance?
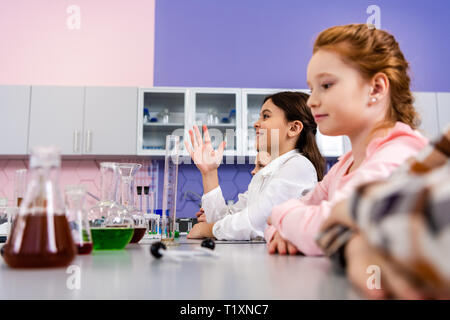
(41, 235)
(127, 172)
(164, 116)
(20, 185)
(110, 228)
(79, 226)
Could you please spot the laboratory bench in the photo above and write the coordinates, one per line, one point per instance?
(242, 270)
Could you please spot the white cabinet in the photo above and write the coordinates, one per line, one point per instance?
(426, 105)
(161, 112)
(220, 109)
(84, 120)
(56, 118)
(110, 119)
(443, 104)
(14, 109)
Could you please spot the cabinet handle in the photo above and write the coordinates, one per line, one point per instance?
(76, 141)
(88, 140)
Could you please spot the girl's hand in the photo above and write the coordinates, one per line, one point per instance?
(282, 246)
(202, 153)
(394, 282)
(201, 217)
(201, 230)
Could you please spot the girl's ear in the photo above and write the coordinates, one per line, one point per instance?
(295, 128)
(379, 88)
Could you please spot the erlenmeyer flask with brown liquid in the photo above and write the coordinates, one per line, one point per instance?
(41, 235)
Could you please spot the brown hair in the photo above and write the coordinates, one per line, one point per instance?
(372, 51)
(295, 108)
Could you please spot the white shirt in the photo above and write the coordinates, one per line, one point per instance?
(291, 175)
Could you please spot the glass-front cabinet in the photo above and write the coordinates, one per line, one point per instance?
(161, 112)
(220, 110)
(229, 113)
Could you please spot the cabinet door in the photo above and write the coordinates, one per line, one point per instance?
(425, 104)
(110, 121)
(443, 102)
(56, 118)
(14, 108)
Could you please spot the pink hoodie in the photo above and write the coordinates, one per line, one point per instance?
(299, 220)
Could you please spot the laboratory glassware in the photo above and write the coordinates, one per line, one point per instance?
(139, 193)
(127, 172)
(77, 216)
(169, 204)
(111, 229)
(164, 116)
(4, 220)
(41, 235)
(20, 185)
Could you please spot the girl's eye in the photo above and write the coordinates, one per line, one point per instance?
(327, 85)
(265, 116)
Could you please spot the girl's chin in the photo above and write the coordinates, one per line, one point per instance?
(261, 147)
(327, 131)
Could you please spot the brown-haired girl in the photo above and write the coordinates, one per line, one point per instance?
(285, 133)
(360, 87)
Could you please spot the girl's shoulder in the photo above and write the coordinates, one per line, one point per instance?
(400, 136)
(300, 163)
(297, 158)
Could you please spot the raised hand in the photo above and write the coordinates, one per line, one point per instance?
(202, 153)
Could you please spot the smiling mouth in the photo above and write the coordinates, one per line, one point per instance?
(320, 116)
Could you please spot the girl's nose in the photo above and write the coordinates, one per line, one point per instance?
(312, 102)
(256, 125)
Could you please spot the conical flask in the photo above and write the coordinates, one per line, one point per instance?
(127, 172)
(41, 235)
(77, 216)
(111, 227)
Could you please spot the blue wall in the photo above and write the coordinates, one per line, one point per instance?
(267, 43)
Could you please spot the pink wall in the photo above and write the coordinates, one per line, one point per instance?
(114, 45)
(41, 45)
(84, 172)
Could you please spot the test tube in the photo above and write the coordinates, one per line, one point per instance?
(146, 190)
(169, 204)
(151, 196)
(139, 193)
(20, 184)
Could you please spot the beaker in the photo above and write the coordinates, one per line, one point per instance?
(169, 204)
(41, 235)
(164, 116)
(20, 185)
(110, 228)
(4, 221)
(77, 216)
(127, 172)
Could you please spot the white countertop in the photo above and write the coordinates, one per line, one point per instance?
(243, 271)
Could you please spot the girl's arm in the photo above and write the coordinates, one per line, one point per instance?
(299, 222)
(213, 203)
(293, 179)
